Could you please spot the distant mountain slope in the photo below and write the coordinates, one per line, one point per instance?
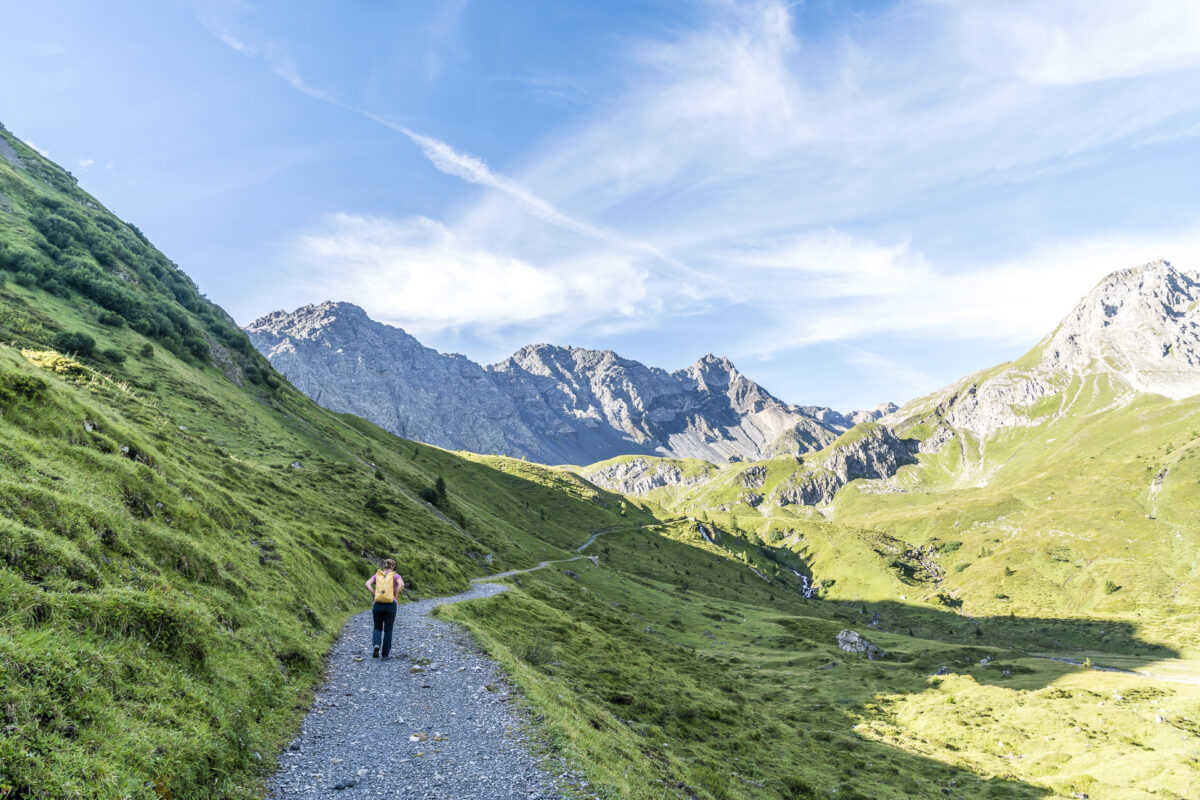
(1137, 332)
(555, 405)
(1066, 479)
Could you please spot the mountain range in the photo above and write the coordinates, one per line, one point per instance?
(550, 404)
(1135, 335)
(183, 537)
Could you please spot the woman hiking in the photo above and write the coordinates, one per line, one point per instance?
(385, 586)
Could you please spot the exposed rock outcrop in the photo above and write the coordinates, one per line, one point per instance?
(1140, 324)
(876, 452)
(1139, 330)
(640, 475)
(753, 478)
(556, 405)
(854, 642)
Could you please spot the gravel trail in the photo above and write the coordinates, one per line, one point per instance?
(433, 722)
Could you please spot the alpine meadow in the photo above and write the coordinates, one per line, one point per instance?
(184, 534)
(636, 400)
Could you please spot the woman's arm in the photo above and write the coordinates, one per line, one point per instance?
(371, 586)
(399, 584)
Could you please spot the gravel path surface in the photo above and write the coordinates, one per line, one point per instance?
(431, 722)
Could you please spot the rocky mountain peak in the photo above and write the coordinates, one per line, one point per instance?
(1138, 330)
(1142, 324)
(870, 415)
(714, 373)
(546, 402)
(306, 321)
(550, 359)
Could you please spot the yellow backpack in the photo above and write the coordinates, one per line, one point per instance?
(385, 587)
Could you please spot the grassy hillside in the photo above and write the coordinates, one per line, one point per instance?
(1094, 514)
(1071, 534)
(1090, 512)
(672, 670)
(182, 533)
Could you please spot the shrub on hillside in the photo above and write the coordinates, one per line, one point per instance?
(430, 495)
(75, 342)
(14, 385)
(113, 355)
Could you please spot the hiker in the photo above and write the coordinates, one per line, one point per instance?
(385, 585)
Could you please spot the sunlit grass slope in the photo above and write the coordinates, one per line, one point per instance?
(672, 671)
(181, 532)
(1072, 533)
(1094, 514)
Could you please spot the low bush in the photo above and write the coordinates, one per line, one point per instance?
(74, 342)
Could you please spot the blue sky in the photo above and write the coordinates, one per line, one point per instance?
(856, 202)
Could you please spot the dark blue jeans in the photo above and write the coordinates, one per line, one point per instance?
(384, 615)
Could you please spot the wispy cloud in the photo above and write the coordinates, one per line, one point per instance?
(275, 55)
(745, 163)
(475, 171)
(421, 274)
(443, 156)
(84, 163)
(1014, 300)
(1070, 42)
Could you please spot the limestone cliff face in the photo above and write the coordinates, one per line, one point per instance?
(1141, 325)
(877, 453)
(556, 405)
(641, 476)
(1138, 331)
(347, 362)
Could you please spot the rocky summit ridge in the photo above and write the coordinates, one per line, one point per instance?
(547, 403)
(1141, 325)
(1137, 332)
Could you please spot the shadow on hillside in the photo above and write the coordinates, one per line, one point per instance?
(835, 699)
(1054, 635)
(1057, 636)
(988, 646)
(732, 731)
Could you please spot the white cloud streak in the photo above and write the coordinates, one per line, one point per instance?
(421, 274)
(442, 155)
(275, 56)
(1075, 42)
(893, 291)
(732, 167)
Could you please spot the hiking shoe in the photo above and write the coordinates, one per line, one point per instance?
(375, 653)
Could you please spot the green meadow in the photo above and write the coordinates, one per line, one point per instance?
(182, 534)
